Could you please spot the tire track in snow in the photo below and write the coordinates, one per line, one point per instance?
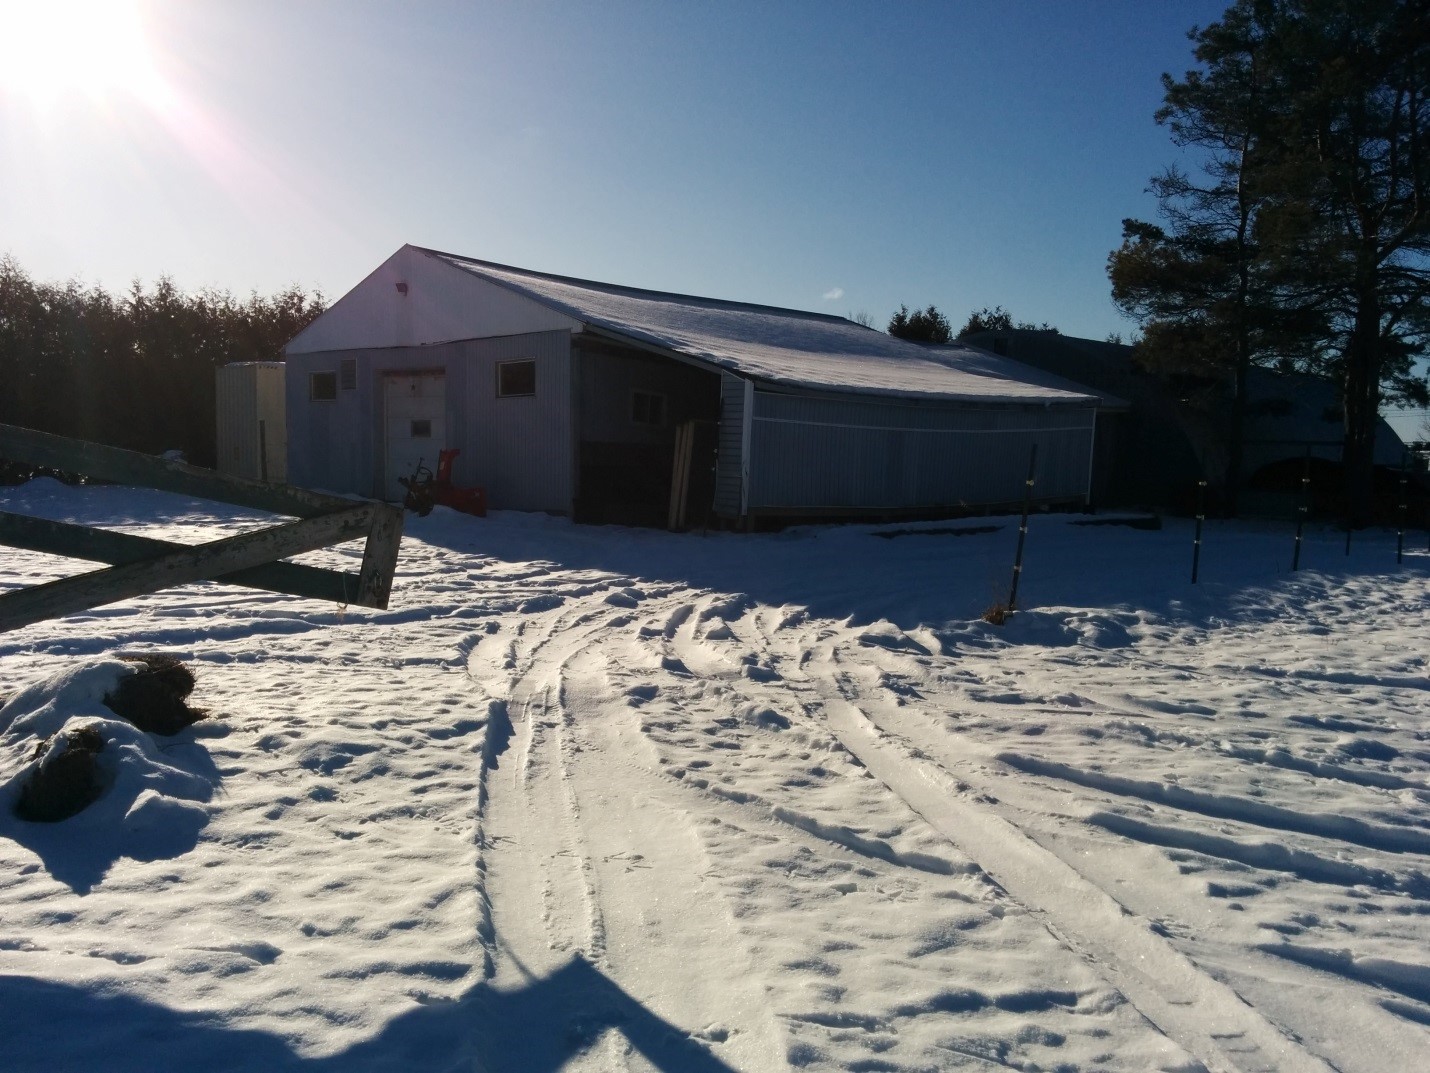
(651, 874)
(1333, 1019)
(1162, 983)
(752, 672)
(1342, 828)
(1166, 987)
(533, 853)
(561, 829)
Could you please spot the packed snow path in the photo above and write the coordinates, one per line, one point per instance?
(604, 799)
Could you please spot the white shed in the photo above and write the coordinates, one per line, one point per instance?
(252, 427)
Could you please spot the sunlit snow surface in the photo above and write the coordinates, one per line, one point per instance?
(607, 799)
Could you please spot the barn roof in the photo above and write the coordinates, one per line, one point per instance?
(783, 346)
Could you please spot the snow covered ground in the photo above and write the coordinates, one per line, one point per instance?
(605, 799)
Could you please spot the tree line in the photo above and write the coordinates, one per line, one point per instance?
(134, 370)
(931, 326)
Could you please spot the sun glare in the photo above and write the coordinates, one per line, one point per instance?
(56, 49)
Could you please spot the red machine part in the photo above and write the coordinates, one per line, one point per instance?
(466, 500)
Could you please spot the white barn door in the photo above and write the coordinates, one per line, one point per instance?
(414, 426)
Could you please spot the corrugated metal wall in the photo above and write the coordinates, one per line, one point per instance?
(728, 449)
(812, 453)
(251, 428)
(273, 413)
(519, 449)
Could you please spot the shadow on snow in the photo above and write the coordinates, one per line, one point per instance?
(536, 1029)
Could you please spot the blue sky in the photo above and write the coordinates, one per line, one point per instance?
(836, 156)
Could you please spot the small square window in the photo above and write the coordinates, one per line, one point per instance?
(421, 430)
(516, 378)
(323, 387)
(347, 370)
(647, 408)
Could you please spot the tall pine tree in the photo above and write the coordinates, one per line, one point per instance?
(1304, 237)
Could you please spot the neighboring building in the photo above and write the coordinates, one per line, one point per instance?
(567, 396)
(252, 434)
(1176, 430)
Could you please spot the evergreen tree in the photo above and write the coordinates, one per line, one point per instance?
(999, 319)
(996, 319)
(1306, 237)
(920, 326)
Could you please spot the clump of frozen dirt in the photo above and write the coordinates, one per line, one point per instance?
(155, 697)
(67, 778)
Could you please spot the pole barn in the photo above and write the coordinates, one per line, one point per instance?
(613, 404)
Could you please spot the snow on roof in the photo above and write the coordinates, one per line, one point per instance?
(783, 346)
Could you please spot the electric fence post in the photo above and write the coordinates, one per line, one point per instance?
(1023, 527)
(1404, 509)
(1302, 511)
(1197, 540)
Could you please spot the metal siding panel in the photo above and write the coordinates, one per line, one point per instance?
(272, 411)
(519, 449)
(521, 453)
(728, 445)
(236, 420)
(836, 453)
(308, 448)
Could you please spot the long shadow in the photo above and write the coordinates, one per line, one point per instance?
(537, 1029)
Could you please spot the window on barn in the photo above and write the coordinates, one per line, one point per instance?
(323, 387)
(421, 429)
(516, 378)
(348, 374)
(647, 408)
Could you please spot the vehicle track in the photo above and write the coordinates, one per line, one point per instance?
(997, 814)
(573, 869)
(1162, 984)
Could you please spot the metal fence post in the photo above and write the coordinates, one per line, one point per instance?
(1023, 527)
(1303, 510)
(1201, 517)
(1404, 508)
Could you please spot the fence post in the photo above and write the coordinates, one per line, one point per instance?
(1201, 517)
(1404, 508)
(1023, 527)
(1302, 510)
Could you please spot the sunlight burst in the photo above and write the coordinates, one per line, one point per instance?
(94, 49)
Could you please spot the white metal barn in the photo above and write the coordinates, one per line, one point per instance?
(594, 400)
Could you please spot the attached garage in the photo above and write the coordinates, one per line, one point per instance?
(615, 404)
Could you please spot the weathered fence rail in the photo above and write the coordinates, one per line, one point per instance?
(140, 565)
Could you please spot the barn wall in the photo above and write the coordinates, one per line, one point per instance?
(325, 439)
(519, 449)
(625, 465)
(810, 453)
(607, 381)
(729, 480)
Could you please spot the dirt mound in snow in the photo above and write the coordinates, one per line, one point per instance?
(67, 778)
(155, 697)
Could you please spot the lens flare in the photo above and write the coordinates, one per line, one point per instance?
(53, 50)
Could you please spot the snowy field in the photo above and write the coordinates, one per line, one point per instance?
(606, 799)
